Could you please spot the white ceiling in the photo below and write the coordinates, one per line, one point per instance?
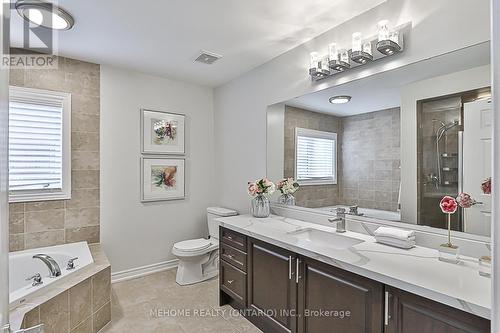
(164, 37)
(383, 91)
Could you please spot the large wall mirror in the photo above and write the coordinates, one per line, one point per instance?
(391, 145)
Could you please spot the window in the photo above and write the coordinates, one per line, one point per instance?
(39, 145)
(315, 157)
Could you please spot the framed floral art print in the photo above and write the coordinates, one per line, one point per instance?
(162, 179)
(162, 132)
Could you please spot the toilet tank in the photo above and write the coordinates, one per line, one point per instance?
(214, 213)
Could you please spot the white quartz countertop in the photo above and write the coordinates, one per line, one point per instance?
(416, 270)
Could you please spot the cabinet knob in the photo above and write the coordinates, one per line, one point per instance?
(230, 256)
(230, 281)
(229, 237)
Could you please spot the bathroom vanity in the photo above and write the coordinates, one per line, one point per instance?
(287, 275)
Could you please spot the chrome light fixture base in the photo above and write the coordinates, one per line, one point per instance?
(338, 65)
(361, 57)
(388, 47)
(48, 15)
(318, 73)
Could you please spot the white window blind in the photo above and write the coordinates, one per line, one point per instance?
(316, 161)
(39, 161)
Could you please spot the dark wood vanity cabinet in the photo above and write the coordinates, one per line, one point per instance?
(283, 292)
(409, 313)
(334, 300)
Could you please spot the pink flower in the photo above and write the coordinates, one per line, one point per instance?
(465, 200)
(486, 186)
(252, 189)
(448, 205)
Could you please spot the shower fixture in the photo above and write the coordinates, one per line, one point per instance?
(441, 131)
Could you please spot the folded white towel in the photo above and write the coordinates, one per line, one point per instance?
(394, 233)
(408, 244)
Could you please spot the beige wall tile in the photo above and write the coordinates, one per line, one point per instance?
(43, 205)
(85, 327)
(49, 79)
(81, 217)
(101, 288)
(83, 103)
(84, 160)
(102, 317)
(84, 141)
(44, 238)
(80, 303)
(17, 207)
(44, 220)
(83, 198)
(16, 223)
(16, 242)
(83, 122)
(16, 77)
(54, 314)
(89, 234)
(84, 179)
(32, 318)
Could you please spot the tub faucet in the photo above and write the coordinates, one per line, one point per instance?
(340, 219)
(54, 269)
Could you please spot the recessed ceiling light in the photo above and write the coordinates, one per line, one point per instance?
(340, 99)
(45, 14)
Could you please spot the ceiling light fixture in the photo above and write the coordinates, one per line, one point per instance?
(45, 14)
(342, 99)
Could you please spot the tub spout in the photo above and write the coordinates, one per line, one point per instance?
(54, 269)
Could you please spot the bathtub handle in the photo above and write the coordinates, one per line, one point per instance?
(37, 279)
(71, 263)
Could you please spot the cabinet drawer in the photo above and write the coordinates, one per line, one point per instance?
(234, 239)
(234, 256)
(233, 282)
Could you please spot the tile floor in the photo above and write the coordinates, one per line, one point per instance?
(154, 304)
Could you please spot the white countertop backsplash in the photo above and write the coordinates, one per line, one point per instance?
(417, 270)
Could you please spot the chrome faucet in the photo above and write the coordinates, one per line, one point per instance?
(54, 269)
(340, 219)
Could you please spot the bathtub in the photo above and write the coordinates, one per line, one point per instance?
(22, 266)
(368, 212)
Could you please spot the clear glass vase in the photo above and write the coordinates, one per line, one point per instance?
(286, 199)
(260, 206)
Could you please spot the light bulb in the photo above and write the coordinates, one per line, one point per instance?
(332, 52)
(383, 30)
(314, 58)
(344, 56)
(356, 41)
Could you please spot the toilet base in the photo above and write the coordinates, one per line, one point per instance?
(198, 269)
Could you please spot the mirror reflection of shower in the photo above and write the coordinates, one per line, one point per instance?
(442, 130)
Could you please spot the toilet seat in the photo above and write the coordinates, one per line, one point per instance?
(193, 245)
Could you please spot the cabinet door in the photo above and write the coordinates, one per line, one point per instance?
(272, 290)
(414, 314)
(333, 300)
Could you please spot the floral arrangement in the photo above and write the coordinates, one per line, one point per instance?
(466, 201)
(287, 186)
(261, 187)
(486, 186)
(448, 205)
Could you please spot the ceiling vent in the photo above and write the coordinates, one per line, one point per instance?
(208, 57)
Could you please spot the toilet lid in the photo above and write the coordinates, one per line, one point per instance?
(192, 245)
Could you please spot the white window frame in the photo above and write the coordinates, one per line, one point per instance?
(65, 192)
(317, 134)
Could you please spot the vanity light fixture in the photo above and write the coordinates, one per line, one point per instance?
(388, 41)
(45, 14)
(340, 59)
(361, 52)
(341, 99)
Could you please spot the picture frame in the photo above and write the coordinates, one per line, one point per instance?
(162, 178)
(162, 132)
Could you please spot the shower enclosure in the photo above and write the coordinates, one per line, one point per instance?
(439, 159)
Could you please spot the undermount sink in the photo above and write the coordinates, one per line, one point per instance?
(324, 238)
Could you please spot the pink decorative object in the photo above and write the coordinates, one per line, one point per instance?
(486, 186)
(465, 200)
(448, 205)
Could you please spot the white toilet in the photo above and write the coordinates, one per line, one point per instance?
(199, 258)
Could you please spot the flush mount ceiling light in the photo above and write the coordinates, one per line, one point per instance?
(45, 14)
(340, 99)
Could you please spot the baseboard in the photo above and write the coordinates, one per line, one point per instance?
(137, 272)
